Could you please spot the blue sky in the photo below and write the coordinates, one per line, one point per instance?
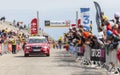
(25, 10)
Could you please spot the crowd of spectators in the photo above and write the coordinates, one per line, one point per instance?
(108, 34)
(6, 35)
(13, 37)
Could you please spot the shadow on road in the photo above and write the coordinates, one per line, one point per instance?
(86, 72)
(64, 56)
(66, 60)
(30, 56)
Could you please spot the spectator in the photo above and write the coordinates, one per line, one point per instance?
(13, 45)
(3, 19)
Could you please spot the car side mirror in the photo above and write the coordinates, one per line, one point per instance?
(48, 42)
(25, 43)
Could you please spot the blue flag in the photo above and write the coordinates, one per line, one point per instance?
(84, 9)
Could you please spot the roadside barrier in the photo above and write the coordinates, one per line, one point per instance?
(0, 48)
(4, 48)
(18, 47)
(7, 48)
(67, 47)
(97, 57)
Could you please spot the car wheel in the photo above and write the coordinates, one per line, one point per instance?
(26, 55)
(48, 55)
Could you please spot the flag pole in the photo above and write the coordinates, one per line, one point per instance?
(38, 22)
(77, 19)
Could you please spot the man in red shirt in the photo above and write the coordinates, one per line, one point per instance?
(108, 27)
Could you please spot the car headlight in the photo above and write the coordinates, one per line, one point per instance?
(45, 47)
(28, 47)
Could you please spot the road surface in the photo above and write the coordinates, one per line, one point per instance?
(59, 63)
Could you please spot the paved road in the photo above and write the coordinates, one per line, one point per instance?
(59, 63)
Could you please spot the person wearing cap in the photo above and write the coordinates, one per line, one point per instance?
(115, 30)
(103, 18)
(117, 20)
(13, 45)
(60, 42)
(108, 26)
(101, 36)
(86, 34)
(117, 16)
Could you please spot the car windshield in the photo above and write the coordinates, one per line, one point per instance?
(37, 40)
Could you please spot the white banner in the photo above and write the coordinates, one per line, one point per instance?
(49, 23)
(85, 17)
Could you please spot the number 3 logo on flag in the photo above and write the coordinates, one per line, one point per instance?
(85, 17)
